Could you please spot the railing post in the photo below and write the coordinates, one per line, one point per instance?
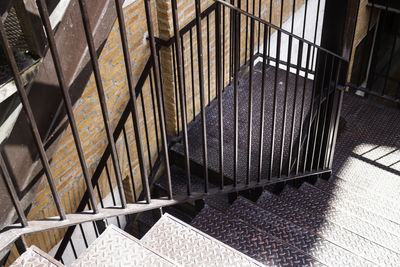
(182, 95)
(201, 84)
(157, 83)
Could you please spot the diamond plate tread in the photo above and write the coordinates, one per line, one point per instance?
(115, 247)
(313, 221)
(310, 198)
(249, 240)
(365, 192)
(34, 257)
(369, 204)
(188, 246)
(312, 244)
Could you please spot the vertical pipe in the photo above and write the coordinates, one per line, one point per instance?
(102, 98)
(192, 75)
(310, 122)
(31, 119)
(250, 108)
(208, 60)
(157, 77)
(12, 192)
(299, 146)
(283, 135)
(67, 100)
(181, 93)
(223, 46)
(236, 96)
(272, 146)
(313, 155)
(299, 58)
(262, 115)
(220, 85)
(201, 85)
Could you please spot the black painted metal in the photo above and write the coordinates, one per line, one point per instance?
(44, 14)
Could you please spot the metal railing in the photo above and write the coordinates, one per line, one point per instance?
(311, 154)
(378, 75)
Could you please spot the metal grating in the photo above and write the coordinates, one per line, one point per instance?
(313, 221)
(310, 243)
(187, 246)
(114, 247)
(34, 257)
(254, 243)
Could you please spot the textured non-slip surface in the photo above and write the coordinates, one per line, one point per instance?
(368, 149)
(249, 240)
(117, 248)
(187, 246)
(315, 222)
(34, 257)
(194, 135)
(310, 243)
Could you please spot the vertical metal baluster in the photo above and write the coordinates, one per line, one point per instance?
(299, 59)
(129, 162)
(259, 27)
(176, 90)
(182, 96)
(272, 147)
(236, 96)
(231, 42)
(269, 29)
(293, 13)
(318, 112)
(326, 111)
(102, 99)
(146, 129)
(302, 110)
(184, 76)
(223, 46)
(311, 114)
(337, 118)
(281, 15)
(283, 136)
(83, 235)
(192, 74)
(247, 32)
(250, 108)
(262, 115)
(31, 119)
(12, 192)
(67, 100)
(208, 60)
(315, 34)
(305, 19)
(220, 85)
(201, 86)
(157, 82)
(153, 106)
(73, 249)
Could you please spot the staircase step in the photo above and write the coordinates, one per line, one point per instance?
(356, 219)
(212, 123)
(315, 222)
(387, 216)
(190, 247)
(34, 257)
(247, 239)
(115, 247)
(360, 190)
(310, 243)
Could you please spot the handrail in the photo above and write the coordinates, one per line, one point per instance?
(280, 29)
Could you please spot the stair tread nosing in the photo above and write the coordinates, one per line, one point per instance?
(115, 247)
(357, 220)
(249, 240)
(310, 243)
(34, 257)
(386, 212)
(188, 246)
(313, 221)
